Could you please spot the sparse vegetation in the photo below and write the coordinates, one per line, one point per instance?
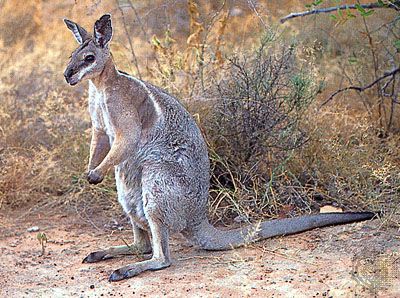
(42, 238)
(274, 151)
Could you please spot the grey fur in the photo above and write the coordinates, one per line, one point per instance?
(161, 166)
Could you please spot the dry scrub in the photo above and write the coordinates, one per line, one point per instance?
(295, 159)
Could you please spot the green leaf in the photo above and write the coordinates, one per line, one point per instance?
(367, 13)
(42, 237)
(380, 3)
(317, 2)
(360, 8)
(397, 44)
(333, 17)
(349, 14)
(155, 41)
(353, 60)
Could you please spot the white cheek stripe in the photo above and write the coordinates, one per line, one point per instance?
(84, 71)
(149, 93)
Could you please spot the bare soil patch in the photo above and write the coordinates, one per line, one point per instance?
(341, 261)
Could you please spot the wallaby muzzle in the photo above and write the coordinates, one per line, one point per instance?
(69, 72)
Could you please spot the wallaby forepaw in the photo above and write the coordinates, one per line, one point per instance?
(96, 256)
(93, 177)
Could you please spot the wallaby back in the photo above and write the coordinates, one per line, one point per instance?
(210, 238)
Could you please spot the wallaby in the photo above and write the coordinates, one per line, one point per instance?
(160, 160)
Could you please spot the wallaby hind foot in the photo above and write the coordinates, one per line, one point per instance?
(161, 255)
(116, 251)
(140, 246)
(137, 268)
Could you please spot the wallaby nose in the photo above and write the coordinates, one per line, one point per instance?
(67, 74)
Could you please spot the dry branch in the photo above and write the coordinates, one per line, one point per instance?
(394, 5)
(362, 88)
(134, 58)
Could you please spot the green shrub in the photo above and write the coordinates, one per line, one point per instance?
(255, 125)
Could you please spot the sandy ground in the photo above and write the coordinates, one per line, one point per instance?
(356, 260)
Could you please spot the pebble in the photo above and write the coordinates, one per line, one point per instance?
(33, 229)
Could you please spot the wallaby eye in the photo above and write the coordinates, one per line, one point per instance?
(89, 58)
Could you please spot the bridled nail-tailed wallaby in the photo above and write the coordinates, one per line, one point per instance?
(160, 161)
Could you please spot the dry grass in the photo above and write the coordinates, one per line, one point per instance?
(44, 126)
(346, 163)
(43, 156)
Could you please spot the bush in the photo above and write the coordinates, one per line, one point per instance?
(255, 126)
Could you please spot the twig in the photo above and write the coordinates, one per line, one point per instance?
(139, 20)
(286, 256)
(62, 242)
(393, 5)
(87, 218)
(203, 46)
(362, 88)
(2, 199)
(200, 257)
(254, 8)
(381, 109)
(129, 40)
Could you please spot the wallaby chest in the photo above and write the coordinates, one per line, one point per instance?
(99, 112)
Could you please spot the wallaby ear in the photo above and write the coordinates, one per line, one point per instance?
(103, 30)
(80, 34)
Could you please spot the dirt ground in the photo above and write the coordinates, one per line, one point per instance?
(355, 260)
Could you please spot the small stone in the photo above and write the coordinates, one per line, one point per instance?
(240, 219)
(33, 229)
(69, 251)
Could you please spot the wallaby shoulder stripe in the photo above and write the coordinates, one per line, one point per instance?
(148, 91)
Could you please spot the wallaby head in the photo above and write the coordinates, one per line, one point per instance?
(89, 59)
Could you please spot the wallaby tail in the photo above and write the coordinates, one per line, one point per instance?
(210, 238)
